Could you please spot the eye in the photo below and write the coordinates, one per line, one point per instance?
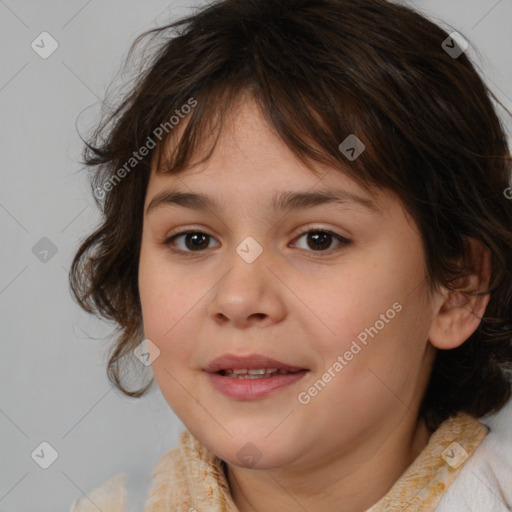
(321, 239)
(194, 241)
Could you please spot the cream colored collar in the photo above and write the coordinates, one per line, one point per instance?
(189, 478)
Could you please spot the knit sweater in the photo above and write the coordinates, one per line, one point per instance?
(189, 478)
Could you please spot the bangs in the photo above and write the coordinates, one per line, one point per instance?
(303, 126)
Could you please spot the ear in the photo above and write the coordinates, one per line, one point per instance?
(458, 314)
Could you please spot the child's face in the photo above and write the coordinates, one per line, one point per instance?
(307, 301)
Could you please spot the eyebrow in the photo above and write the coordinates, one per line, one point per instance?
(282, 202)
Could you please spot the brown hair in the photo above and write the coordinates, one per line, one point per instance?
(321, 70)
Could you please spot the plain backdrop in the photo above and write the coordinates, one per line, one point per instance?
(53, 383)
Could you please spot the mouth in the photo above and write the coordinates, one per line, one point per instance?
(256, 365)
(256, 373)
(251, 377)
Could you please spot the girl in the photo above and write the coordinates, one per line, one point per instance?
(306, 233)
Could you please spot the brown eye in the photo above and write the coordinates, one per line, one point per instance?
(321, 240)
(316, 240)
(194, 241)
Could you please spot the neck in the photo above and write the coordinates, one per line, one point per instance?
(352, 479)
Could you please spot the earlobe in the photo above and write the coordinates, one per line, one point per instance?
(459, 314)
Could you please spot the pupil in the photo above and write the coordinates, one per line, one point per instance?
(320, 238)
(195, 237)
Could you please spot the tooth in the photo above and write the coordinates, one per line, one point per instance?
(252, 371)
(247, 376)
(240, 372)
(259, 371)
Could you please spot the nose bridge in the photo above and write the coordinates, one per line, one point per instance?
(248, 268)
(245, 290)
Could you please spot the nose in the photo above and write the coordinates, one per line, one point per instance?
(249, 294)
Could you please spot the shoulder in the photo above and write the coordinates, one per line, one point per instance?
(485, 481)
(115, 495)
(109, 496)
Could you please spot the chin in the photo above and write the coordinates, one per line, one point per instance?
(250, 449)
(252, 456)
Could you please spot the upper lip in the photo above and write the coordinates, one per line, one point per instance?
(232, 362)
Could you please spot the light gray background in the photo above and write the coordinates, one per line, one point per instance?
(53, 383)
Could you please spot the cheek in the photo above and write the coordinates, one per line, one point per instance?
(341, 305)
(375, 317)
(163, 293)
(164, 307)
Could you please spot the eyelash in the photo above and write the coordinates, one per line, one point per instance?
(343, 242)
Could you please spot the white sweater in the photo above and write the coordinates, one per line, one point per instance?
(485, 482)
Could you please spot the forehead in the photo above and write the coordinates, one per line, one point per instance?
(251, 164)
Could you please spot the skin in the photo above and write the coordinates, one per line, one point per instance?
(304, 307)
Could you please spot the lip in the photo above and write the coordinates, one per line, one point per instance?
(251, 389)
(253, 361)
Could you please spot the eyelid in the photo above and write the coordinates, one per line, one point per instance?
(185, 231)
(343, 241)
(316, 227)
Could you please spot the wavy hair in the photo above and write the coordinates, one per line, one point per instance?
(320, 70)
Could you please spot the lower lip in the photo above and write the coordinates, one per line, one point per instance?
(250, 389)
